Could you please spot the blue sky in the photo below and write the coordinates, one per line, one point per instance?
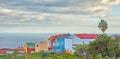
(58, 16)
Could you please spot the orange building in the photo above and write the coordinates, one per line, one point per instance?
(42, 46)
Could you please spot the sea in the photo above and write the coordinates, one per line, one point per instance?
(14, 40)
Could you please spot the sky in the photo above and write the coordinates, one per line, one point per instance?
(58, 16)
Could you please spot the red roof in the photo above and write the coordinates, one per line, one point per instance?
(56, 36)
(19, 49)
(87, 36)
(2, 51)
(53, 38)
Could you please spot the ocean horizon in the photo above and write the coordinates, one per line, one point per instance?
(14, 40)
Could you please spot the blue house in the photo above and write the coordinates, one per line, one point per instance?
(63, 43)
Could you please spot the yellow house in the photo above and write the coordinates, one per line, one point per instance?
(42, 46)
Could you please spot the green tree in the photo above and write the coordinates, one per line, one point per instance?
(102, 25)
(104, 45)
(82, 51)
(117, 47)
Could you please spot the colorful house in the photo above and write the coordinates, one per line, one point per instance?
(52, 39)
(42, 46)
(68, 43)
(29, 47)
(62, 44)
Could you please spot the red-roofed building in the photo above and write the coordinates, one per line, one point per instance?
(78, 39)
(2, 51)
(52, 39)
(5, 51)
(20, 49)
(84, 38)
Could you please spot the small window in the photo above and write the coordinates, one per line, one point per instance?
(37, 45)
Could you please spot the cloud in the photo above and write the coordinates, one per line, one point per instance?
(110, 2)
(11, 16)
(55, 13)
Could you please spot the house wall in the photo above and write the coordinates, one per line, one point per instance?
(9, 51)
(76, 41)
(25, 47)
(29, 47)
(59, 44)
(68, 44)
(86, 41)
(42, 46)
(30, 50)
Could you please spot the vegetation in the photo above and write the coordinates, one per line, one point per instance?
(102, 48)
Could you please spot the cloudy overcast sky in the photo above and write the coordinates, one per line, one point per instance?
(58, 16)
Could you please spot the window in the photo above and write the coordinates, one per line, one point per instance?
(37, 45)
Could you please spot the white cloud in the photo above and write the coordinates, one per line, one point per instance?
(110, 2)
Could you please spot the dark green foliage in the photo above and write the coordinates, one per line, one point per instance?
(106, 46)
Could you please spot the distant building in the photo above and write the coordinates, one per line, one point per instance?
(20, 49)
(29, 47)
(82, 39)
(42, 46)
(5, 51)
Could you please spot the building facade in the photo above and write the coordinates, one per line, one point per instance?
(62, 44)
(52, 39)
(42, 46)
(29, 47)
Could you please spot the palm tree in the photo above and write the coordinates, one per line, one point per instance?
(102, 26)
